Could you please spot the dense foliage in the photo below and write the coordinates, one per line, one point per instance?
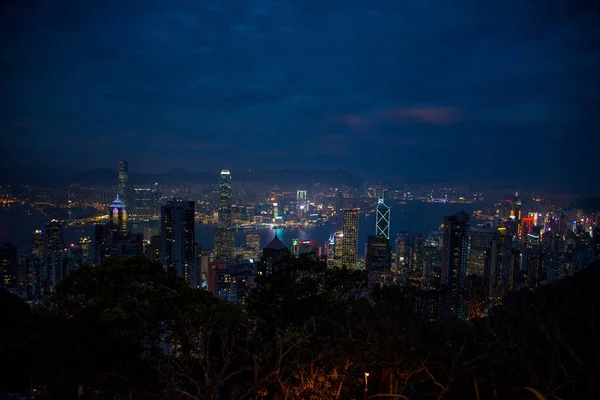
(133, 330)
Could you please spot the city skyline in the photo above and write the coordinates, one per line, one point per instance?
(301, 199)
(330, 87)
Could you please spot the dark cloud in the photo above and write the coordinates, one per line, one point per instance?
(387, 87)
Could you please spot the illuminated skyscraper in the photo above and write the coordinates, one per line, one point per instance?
(301, 196)
(497, 271)
(532, 260)
(177, 235)
(85, 243)
(350, 239)
(481, 241)
(117, 216)
(301, 203)
(253, 241)
(143, 202)
(527, 224)
(38, 243)
(54, 236)
(514, 218)
(123, 189)
(224, 236)
(454, 263)
(403, 252)
(382, 221)
(333, 250)
(417, 255)
(379, 254)
(253, 244)
(9, 267)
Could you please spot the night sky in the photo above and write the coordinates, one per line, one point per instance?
(424, 89)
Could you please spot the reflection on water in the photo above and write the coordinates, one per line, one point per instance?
(16, 225)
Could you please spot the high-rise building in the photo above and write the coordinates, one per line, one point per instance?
(333, 250)
(481, 240)
(379, 254)
(123, 181)
(403, 252)
(301, 196)
(33, 271)
(497, 265)
(350, 239)
(9, 267)
(253, 241)
(143, 202)
(431, 266)
(177, 235)
(455, 250)
(382, 220)
(532, 260)
(527, 225)
(85, 243)
(301, 203)
(417, 255)
(117, 216)
(224, 236)
(513, 223)
(54, 236)
(38, 243)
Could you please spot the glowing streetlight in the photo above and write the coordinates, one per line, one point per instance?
(366, 380)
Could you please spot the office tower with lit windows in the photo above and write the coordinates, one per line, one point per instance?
(349, 254)
(54, 236)
(403, 253)
(117, 216)
(33, 272)
(143, 202)
(481, 240)
(333, 250)
(379, 254)
(527, 224)
(382, 220)
(224, 235)
(301, 203)
(85, 243)
(38, 243)
(177, 235)
(496, 270)
(455, 248)
(253, 241)
(513, 224)
(123, 181)
(417, 255)
(9, 267)
(532, 260)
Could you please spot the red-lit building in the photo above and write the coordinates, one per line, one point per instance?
(526, 225)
